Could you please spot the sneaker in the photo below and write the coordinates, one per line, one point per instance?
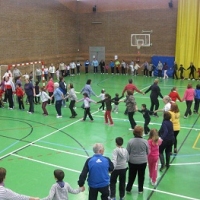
(130, 129)
(175, 151)
(128, 192)
(111, 124)
(29, 112)
(140, 192)
(106, 123)
(121, 198)
(185, 117)
(153, 183)
(59, 116)
(72, 117)
(162, 168)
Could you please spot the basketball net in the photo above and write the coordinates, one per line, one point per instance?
(138, 48)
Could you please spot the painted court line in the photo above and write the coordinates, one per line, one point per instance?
(151, 123)
(66, 152)
(41, 138)
(45, 163)
(181, 164)
(76, 171)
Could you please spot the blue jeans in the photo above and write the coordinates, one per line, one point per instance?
(58, 106)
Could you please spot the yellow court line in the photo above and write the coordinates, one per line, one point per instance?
(194, 145)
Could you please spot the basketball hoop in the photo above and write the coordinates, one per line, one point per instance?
(139, 46)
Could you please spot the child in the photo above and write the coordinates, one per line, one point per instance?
(196, 99)
(146, 114)
(37, 91)
(102, 96)
(20, 95)
(174, 95)
(154, 142)
(86, 103)
(60, 189)
(44, 98)
(116, 102)
(181, 69)
(106, 68)
(120, 158)
(107, 115)
(72, 96)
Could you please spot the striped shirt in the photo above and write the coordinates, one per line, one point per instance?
(7, 194)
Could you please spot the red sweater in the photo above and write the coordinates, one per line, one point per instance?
(130, 87)
(19, 92)
(174, 96)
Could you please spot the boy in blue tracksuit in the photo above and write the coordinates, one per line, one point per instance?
(96, 170)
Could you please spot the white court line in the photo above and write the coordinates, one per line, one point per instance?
(177, 164)
(76, 171)
(31, 143)
(75, 154)
(151, 123)
(45, 163)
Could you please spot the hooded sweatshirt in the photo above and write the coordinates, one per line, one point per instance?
(60, 190)
(120, 157)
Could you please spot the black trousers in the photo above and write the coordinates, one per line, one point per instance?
(136, 169)
(188, 108)
(86, 70)
(93, 193)
(31, 104)
(58, 106)
(175, 136)
(145, 72)
(121, 173)
(146, 128)
(21, 103)
(175, 74)
(71, 107)
(196, 105)
(95, 69)
(159, 73)
(131, 119)
(10, 97)
(51, 101)
(167, 147)
(87, 113)
(102, 105)
(112, 70)
(191, 74)
(154, 103)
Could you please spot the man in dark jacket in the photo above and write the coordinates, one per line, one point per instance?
(97, 169)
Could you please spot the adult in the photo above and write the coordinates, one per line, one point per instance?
(72, 67)
(95, 64)
(97, 169)
(196, 99)
(188, 97)
(38, 73)
(46, 73)
(87, 64)
(117, 66)
(58, 95)
(102, 65)
(160, 67)
(175, 119)
(167, 101)
(137, 148)
(155, 92)
(88, 89)
(165, 68)
(30, 93)
(7, 194)
(9, 90)
(145, 71)
(52, 70)
(112, 66)
(175, 69)
(62, 68)
(166, 133)
(50, 89)
(16, 73)
(192, 70)
(123, 67)
(63, 88)
(131, 108)
(131, 87)
(78, 66)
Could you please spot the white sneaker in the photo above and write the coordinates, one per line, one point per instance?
(130, 129)
(59, 116)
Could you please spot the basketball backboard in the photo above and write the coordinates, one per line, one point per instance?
(140, 40)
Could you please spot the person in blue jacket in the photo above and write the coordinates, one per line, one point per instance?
(96, 170)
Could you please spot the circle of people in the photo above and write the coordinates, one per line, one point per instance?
(139, 151)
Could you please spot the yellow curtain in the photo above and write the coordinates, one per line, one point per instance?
(188, 34)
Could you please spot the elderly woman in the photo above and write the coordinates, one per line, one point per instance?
(137, 148)
(58, 95)
(167, 101)
(166, 133)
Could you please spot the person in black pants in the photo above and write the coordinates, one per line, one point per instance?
(192, 70)
(155, 92)
(175, 68)
(166, 133)
(181, 69)
(138, 150)
(120, 158)
(146, 114)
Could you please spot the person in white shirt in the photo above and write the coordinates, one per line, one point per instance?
(52, 70)
(72, 66)
(7, 194)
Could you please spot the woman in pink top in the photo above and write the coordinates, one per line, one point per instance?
(154, 142)
(188, 97)
(50, 89)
